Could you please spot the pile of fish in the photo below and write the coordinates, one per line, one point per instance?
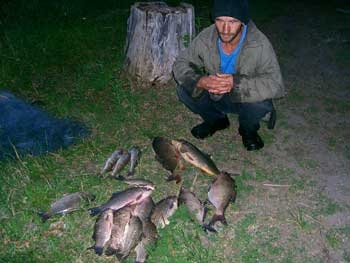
(129, 220)
(119, 159)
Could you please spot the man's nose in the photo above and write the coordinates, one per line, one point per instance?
(225, 28)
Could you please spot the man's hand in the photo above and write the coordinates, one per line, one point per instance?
(216, 84)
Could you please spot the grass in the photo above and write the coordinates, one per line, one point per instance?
(69, 56)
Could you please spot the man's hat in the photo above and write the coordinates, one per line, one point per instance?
(233, 8)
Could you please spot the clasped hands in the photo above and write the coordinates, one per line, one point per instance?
(216, 84)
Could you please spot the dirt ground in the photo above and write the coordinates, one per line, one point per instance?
(306, 158)
(312, 134)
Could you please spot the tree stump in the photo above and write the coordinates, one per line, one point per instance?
(156, 33)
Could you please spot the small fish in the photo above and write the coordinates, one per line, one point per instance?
(196, 157)
(121, 163)
(168, 156)
(134, 159)
(221, 192)
(130, 196)
(67, 204)
(193, 204)
(102, 231)
(164, 209)
(111, 161)
(137, 182)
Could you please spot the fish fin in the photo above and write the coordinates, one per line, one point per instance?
(98, 250)
(209, 228)
(44, 216)
(94, 211)
(110, 251)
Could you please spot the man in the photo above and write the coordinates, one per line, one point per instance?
(230, 67)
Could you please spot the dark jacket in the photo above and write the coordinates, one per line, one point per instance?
(258, 76)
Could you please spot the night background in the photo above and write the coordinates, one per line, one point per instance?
(62, 61)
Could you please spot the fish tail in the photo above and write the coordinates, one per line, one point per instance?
(44, 216)
(216, 218)
(94, 211)
(209, 228)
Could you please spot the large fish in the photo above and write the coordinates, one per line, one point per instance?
(196, 157)
(111, 161)
(132, 236)
(130, 196)
(121, 163)
(121, 218)
(221, 192)
(168, 157)
(135, 155)
(102, 231)
(164, 209)
(67, 204)
(193, 204)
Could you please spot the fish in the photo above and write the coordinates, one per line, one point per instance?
(121, 163)
(135, 155)
(121, 218)
(196, 157)
(132, 236)
(168, 156)
(111, 161)
(137, 182)
(164, 209)
(193, 204)
(130, 196)
(102, 231)
(221, 191)
(66, 204)
(143, 210)
(149, 238)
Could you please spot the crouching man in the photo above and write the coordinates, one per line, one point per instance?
(230, 67)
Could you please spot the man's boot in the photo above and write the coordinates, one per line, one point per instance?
(251, 140)
(206, 129)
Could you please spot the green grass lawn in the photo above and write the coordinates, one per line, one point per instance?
(69, 56)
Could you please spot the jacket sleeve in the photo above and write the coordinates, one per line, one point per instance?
(265, 82)
(188, 68)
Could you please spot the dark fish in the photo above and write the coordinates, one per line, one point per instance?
(121, 218)
(102, 231)
(164, 209)
(111, 161)
(193, 204)
(121, 163)
(196, 157)
(66, 204)
(134, 159)
(132, 236)
(130, 196)
(221, 192)
(168, 157)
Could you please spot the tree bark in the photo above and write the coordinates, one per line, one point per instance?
(156, 33)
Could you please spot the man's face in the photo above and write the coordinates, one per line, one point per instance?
(228, 28)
